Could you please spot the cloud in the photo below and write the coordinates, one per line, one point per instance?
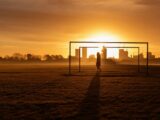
(65, 6)
(61, 2)
(92, 5)
(149, 2)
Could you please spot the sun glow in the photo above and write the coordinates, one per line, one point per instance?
(102, 37)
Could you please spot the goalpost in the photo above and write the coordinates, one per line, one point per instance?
(138, 53)
(88, 42)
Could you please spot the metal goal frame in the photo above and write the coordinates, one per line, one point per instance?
(138, 53)
(134, 43)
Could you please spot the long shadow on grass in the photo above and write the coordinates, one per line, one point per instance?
(89, 109)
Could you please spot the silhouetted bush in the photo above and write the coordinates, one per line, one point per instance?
(17, 57)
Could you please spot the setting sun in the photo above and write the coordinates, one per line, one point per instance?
(102, 37)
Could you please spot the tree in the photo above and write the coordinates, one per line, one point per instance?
(33, 58)
(18, 57)
(48, 58)
(1, 58)
(29, 57)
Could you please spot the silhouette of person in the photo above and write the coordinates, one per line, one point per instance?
(98, 62)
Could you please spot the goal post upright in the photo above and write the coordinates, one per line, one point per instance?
(147, 58)
(138, 59)
(70, 44)
(79, 59)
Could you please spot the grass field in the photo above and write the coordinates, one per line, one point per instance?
(46, 92)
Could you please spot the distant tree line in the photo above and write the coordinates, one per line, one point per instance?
(17, 57)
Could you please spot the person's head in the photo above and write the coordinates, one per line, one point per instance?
(98, 53)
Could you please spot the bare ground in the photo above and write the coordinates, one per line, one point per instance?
(46, 92)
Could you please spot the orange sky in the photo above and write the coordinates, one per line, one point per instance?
(46, 26)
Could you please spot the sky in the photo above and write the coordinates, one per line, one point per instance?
(46, 26)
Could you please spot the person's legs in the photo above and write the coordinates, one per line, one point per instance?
(98, 68)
